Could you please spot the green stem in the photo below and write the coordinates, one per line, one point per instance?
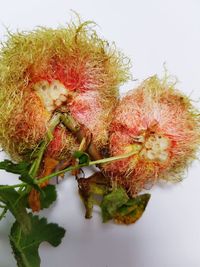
(106, 160)
(69, 122)
(37, 162)
(53, 123)
(100, 161)
(35, 165)
(80, 132)
(72, 168)
(32, 167)
(3, 213)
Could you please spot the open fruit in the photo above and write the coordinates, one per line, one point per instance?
(162, 126)
(67, 70)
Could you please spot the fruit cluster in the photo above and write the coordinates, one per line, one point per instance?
(71, 70)
(60, 111)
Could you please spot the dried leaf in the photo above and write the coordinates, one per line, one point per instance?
(96, 184)
(131, 211)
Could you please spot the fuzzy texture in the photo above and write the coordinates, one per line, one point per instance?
(63, 144)
(163, 125)
(76, 57)
(89, 109)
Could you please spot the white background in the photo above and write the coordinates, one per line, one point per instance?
(150, 32)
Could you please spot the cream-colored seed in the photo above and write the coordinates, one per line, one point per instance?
(150, 155)
(41, 85)
(57, 86)
(58, 102)
(52, 95)
(163, 156)
(164, 143)
(150, 142)
(152, 139)
(155, 148)
(62, 98)
(50, 108)
(44, 95)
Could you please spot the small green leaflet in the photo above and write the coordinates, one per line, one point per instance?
(17, 168)
(21, 168)
(16, 204)
(48, 197)
(82, 157)
(25, 246)
(118, 206)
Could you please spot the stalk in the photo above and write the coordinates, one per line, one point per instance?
(49, 136)
(80, 133)
(3, 213)
(72, 168)
(101, 161)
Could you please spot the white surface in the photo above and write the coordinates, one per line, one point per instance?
(150, 32)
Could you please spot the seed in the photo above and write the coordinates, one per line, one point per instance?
(150, 155)
(50, 108)
(62, 98)
(163, 143)
(58, 102)
(163, 156)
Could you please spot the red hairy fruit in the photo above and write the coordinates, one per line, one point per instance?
(62, 144)
(49, 70)
(89, 109)
(162, 126)
(27, 122)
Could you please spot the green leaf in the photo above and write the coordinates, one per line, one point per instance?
(48, 197)
(131, 211)
(82, 157)
(16, 205)
(118, 206)
(17, 168)
(21, 168)
(28, 179)
(112, 201)
(25, 246)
